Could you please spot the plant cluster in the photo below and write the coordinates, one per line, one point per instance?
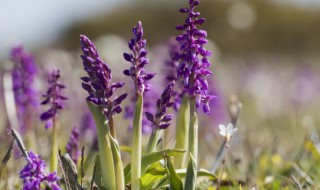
(151, 167)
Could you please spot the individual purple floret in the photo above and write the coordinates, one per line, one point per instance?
(193, 58)
(54, 98)
(33, 174)
(73, 145)
(161, 119)
(23, 75)
(138, 60)
(98, 83)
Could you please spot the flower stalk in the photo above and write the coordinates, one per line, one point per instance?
(138, 60)
(53, 97)
(136, 144)
(193, 131)
(182, 133)
(54, 148)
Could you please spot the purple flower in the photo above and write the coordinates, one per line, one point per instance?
(73, 145)
(33, 174)
(23, 75)
(88, 129)
(98, 83)
(87, 123)
(193, 57)
(170, 71)
(161, 119)
(138, 60)
(53, 97)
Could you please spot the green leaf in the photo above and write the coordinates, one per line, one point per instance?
(190, 183)
(5, 160)
(106, 157)
(156, 176)
(149, 159)
(118, 167)
(174, 179)
(153, 177)
(97, 175)
(69, 170)
(200, 173)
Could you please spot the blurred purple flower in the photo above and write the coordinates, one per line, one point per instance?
(23, 75)
(33, 174)
(193, 57)
(138, 60)
(170, 71)
(73, 145)
(98, 83)
(87, 123)
(53, 97)
(88, 129)
(161, 119)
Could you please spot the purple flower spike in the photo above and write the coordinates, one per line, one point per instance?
(23, 75)
(54, 98)
(161, 119)
(73, 145)
(98, 83)
(138, 60)
(33, 174)
(193, 58)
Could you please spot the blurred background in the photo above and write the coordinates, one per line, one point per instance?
(265, 52)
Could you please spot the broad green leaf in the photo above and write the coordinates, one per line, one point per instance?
(106, 157)
(190, 182)
(149, 159)
(156, 176)
(200, 173)
(118, 167)
(97, 176)
(153, 176)
(174, 179)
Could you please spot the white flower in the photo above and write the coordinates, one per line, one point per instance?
(228, 131)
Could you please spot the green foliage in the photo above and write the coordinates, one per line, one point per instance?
(174, 179)
(150, 159)
(106, 154)
(190, 183)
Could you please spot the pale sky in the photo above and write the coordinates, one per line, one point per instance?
(39, 22)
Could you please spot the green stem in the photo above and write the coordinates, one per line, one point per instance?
(54, 147)
(112, 129)
(182, 132)
(136, 144)
(154, 138)
(193, 131)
